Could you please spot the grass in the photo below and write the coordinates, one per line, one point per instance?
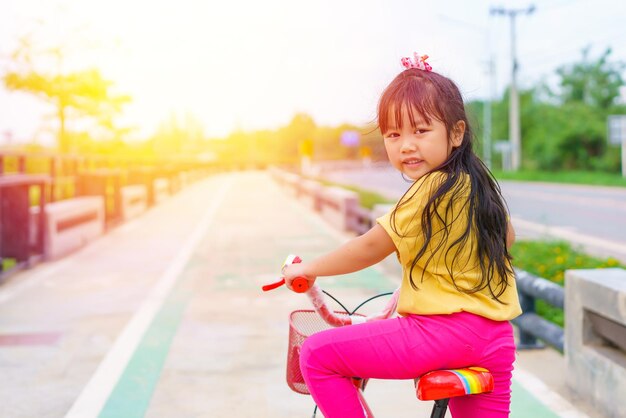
(550, 260)
(571, 177)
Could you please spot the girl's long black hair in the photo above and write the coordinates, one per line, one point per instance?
(432, 95)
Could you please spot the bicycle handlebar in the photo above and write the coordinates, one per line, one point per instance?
(316, 296)
(299, 284)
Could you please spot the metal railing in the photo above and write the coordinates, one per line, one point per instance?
(532, 326)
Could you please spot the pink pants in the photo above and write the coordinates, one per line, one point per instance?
(405, 348)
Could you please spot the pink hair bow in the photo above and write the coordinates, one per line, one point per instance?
(417, 61)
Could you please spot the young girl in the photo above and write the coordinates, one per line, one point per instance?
(451, 234)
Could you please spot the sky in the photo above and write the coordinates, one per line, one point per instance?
(251, 65)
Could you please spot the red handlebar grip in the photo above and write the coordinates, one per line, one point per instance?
(300, 284)
(273, 285)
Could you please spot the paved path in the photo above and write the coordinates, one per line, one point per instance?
(164, 317)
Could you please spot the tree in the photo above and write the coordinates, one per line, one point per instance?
(289, 138)
(565, 127)
(85, 93)
(595, 83)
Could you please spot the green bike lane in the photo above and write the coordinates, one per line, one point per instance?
(201, 339)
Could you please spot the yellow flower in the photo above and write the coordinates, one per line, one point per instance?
(560, 259)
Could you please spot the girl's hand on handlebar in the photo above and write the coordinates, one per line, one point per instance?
(293, 271)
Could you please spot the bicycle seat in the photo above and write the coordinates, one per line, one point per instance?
(443, 384)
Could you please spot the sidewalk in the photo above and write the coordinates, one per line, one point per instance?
(164, 317)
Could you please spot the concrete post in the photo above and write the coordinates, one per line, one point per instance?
(595, 337)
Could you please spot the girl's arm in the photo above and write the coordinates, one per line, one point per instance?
(356, 254)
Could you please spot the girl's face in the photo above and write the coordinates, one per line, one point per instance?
(418, 149)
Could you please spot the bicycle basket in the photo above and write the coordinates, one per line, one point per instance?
(302, 324)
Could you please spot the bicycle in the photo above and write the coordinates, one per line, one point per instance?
(437, 385)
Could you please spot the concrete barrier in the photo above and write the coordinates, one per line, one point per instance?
(161, 189)
(185, 179)
(360, 219)
(595, 337)
(70, 224)
(291, 182)
(336, 206)
(381, 209)
(310, 192)
(134, 201)
(174, 183)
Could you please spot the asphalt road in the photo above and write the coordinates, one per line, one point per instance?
(591, 218)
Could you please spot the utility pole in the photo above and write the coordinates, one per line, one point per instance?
(487, 119)
(514, 118)
(487, 142)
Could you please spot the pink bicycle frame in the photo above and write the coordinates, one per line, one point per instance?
(316, 296)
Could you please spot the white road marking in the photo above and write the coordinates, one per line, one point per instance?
(95, 394)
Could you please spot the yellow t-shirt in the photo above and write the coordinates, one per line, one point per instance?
(436, 293)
